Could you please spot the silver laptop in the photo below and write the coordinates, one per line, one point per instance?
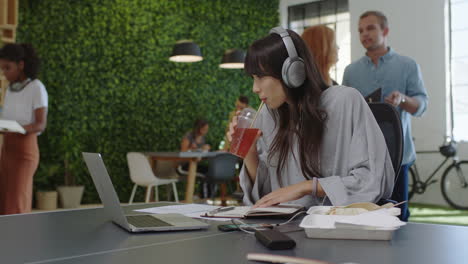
(137, 222)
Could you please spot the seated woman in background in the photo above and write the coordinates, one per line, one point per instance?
(321, 42)
(317, 144)
(195, 139)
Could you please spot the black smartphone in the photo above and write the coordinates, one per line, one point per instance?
(250, 227)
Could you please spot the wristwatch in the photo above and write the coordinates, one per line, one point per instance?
(403, 99)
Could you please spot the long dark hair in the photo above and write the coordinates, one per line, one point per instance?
(198, 125)
(22, 52)
(301, 119)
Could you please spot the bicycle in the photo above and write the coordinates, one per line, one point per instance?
(454, 180)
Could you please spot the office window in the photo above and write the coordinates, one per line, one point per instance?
(333, 13)
(459, 67)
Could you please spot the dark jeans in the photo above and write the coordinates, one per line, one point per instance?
(400, 191)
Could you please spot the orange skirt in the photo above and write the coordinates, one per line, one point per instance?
(18, 163)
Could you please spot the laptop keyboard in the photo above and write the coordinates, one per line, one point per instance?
(145, 221)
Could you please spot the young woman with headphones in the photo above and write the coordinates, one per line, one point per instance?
(26, 102)
(318, 144)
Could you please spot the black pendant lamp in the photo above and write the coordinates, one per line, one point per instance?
(186, 51)
(233, 59)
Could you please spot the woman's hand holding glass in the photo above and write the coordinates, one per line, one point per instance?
(243, 138)
(232, 127)
(249, 155)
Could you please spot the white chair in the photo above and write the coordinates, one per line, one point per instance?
(142, 175)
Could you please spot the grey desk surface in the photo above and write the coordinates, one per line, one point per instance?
(86, 236)
(184, 154)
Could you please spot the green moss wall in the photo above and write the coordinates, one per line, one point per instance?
(111, 86)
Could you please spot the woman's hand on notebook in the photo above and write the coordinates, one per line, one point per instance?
(286, 194)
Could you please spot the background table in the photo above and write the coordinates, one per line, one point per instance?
(192, 157)
(87, 236)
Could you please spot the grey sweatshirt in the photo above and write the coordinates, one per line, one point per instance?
(354, 160)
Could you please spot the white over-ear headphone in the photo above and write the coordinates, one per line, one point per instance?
(293, 70)
(18, 86)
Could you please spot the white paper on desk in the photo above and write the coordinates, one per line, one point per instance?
(377, 219)
(190, 210)
(11, 126)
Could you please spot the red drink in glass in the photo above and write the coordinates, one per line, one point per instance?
(242, 141)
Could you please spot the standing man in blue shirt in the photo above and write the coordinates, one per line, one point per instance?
(402, 86)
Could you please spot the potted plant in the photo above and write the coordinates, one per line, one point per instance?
(46, 197)
(70, 193)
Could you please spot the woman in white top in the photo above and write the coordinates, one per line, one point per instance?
(317, 144)
(25, 102)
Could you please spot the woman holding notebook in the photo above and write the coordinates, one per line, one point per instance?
(26, 103)
(317, 144)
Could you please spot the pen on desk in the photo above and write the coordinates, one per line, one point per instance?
(224, 209)
(219, 210)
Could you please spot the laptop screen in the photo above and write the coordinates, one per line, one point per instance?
(104, 186)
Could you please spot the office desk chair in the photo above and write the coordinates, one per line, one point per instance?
(389, 122)
(221, 169)
(198, 176)
(142, 175)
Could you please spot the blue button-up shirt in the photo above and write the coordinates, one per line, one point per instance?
(393, 72)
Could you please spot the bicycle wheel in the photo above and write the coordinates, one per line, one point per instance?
(411, 183)
(454, 185)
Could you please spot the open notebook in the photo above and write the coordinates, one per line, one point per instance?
(11, 126)
(278, 211)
